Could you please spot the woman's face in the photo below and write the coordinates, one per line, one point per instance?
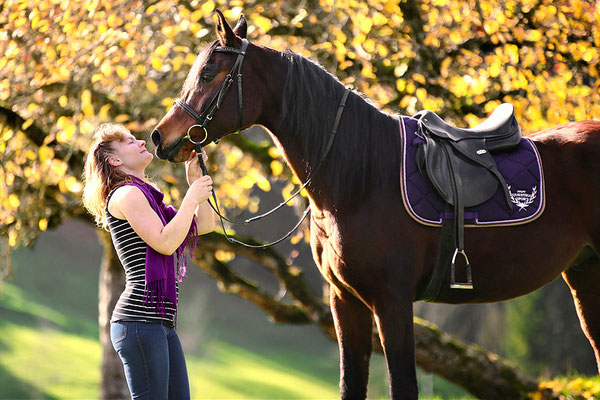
(131, 153)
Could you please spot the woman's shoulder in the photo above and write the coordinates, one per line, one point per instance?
(125, 195)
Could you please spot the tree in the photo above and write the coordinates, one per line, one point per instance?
(67, 66)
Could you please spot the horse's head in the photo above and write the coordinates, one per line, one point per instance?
(212, 102)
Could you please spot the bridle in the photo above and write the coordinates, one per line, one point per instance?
(202, 121)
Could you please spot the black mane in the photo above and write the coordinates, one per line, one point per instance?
(366, 150)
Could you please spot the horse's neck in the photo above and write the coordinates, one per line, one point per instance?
(283, 135)
(285, 140)
(325, 186)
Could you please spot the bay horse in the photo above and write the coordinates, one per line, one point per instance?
(376, 258)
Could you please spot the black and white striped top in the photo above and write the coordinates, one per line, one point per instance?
(131, 250)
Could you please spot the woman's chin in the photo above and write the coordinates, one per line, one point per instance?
(149, 157)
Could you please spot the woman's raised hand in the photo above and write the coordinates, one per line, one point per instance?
(201, 188)
(193, 171)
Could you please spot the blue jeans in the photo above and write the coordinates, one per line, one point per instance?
(153, 360)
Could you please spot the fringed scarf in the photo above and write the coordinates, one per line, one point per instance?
(160, 269)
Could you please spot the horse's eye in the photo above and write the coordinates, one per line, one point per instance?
(206, 77)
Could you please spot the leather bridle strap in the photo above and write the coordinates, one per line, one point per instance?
(190, 111)
(216, 209)
(203, 119)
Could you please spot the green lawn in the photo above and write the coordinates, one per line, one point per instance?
(40, 358)
(49, 347)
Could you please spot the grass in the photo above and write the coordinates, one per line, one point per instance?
(49, 347)
(48, 364)
(38, 352)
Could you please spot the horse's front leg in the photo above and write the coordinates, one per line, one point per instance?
(394, 318)
(354, 327)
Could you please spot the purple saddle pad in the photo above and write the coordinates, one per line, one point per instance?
(520, 167)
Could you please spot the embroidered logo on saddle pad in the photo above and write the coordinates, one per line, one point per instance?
(521, 168)
(521, 198)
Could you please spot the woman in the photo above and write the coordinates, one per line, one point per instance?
(149, 238)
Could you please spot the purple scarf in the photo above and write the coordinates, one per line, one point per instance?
(160, 268)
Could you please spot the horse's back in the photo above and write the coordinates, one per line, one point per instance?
(571, 133)
(570, 156)
(570, 151)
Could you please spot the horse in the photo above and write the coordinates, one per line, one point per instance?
(376, 258)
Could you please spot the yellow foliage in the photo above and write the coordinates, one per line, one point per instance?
(152, 86)
(276, 167)
(13, 201)
(45, 153)
(55, 55)
(274, 152)
(224, 256)
(263, 23)
(12, 238)
(161, 52)
(122, 72)
(157, 63)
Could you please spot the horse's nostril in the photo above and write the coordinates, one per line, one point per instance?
(155, 136)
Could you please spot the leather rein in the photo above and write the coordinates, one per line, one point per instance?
(202, 121)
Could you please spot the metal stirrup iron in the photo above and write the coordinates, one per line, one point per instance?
(459, 285)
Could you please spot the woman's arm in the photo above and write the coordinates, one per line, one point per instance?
(205, 218)
(129, 202)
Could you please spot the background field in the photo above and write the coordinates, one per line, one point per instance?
(49, 346)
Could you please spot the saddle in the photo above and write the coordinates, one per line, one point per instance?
(458, 163)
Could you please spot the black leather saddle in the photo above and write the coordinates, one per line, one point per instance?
(458, 163)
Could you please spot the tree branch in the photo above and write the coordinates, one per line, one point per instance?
(37, 136)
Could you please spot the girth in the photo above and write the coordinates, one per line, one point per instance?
(459, 165)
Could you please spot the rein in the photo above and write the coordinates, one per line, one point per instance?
(215, 207)
(202, 121)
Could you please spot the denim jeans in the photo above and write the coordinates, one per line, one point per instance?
(153, 360)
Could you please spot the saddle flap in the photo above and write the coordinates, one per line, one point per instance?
(476, 184)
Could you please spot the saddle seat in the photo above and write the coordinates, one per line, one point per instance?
(460, 157)
(500, 129)
(458, 163)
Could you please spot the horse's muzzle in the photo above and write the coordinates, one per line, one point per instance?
(156, 138)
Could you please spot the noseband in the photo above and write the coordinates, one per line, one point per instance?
(203, 119)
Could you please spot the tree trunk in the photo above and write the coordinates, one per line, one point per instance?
(112, 282)
(481, 373)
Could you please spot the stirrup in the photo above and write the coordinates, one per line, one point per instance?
(453, 283)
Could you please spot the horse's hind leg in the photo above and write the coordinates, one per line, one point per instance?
(583, 277)
(354, 327)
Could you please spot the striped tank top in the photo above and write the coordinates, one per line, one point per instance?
(131, 250)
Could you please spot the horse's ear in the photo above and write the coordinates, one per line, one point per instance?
(224, 33)
(241, 28)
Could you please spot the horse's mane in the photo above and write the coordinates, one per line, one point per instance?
(366, 150)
